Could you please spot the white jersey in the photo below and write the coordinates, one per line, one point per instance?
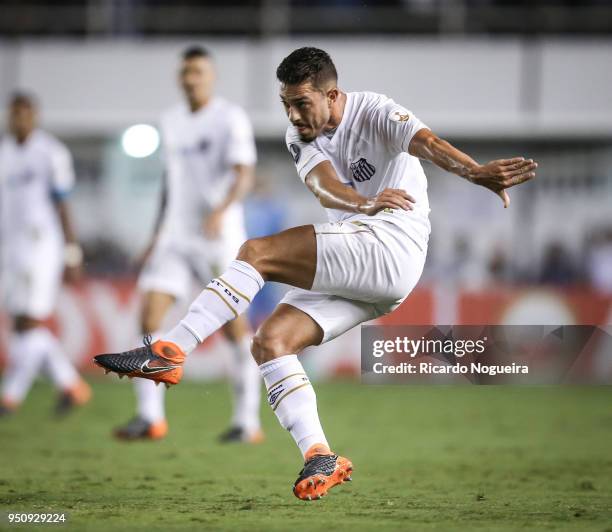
(369, 152)
(200, 150)
(31, 175)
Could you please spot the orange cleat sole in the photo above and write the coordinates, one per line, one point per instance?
(168, 378)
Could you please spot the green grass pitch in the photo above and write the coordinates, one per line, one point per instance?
(426, 458)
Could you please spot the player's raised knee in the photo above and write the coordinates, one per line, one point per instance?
(248, 250)
(253, 251)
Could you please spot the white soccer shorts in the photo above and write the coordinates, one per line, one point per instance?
(365, 268)
(174, 265)
(32, 276)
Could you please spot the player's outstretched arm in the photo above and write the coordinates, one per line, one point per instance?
(323, 181)
(496, 175)
(73, 254)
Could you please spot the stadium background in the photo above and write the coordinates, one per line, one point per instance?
(495, 77)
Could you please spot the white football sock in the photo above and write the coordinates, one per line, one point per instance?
(225, 298)
(27, 351)
(246, 385)
(182, 337)
(150, 400)
(293, 400)
(58, 366)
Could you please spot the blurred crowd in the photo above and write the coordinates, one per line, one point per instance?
(559, 266)
(266, 17)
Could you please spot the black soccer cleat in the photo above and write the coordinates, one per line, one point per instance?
(322, 471)
(239, 435)
(72, 398)
(158, 361)
(141, 429)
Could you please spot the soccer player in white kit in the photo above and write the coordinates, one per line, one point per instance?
(359, 154)
(37, 245)
(209, 156)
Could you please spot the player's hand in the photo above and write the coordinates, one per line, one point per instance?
(501, 174)
(213, 224)
(390, 198)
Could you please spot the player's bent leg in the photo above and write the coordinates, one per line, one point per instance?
(155, 306)
(149, 423)
(288, 257)
(150, 413)
(286, 332)
(73, 390)
(245, 380)
(150, 398)
(32, 347)
(26, 355)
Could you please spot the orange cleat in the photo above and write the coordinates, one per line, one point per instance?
(141, 429)
(7, 407)
(255, 437)
(322, 471)
(158, 361)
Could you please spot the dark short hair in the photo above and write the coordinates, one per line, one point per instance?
(21, 97)
(195, 52)
(307, 64)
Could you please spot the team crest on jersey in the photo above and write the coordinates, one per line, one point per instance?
(362, 170)
(295, 152)
(399, 115)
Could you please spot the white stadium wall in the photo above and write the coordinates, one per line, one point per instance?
(509, 87)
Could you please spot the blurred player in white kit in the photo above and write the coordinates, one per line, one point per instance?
(209, 157)
(38, 245)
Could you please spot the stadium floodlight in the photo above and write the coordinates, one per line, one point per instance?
(140, 140)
